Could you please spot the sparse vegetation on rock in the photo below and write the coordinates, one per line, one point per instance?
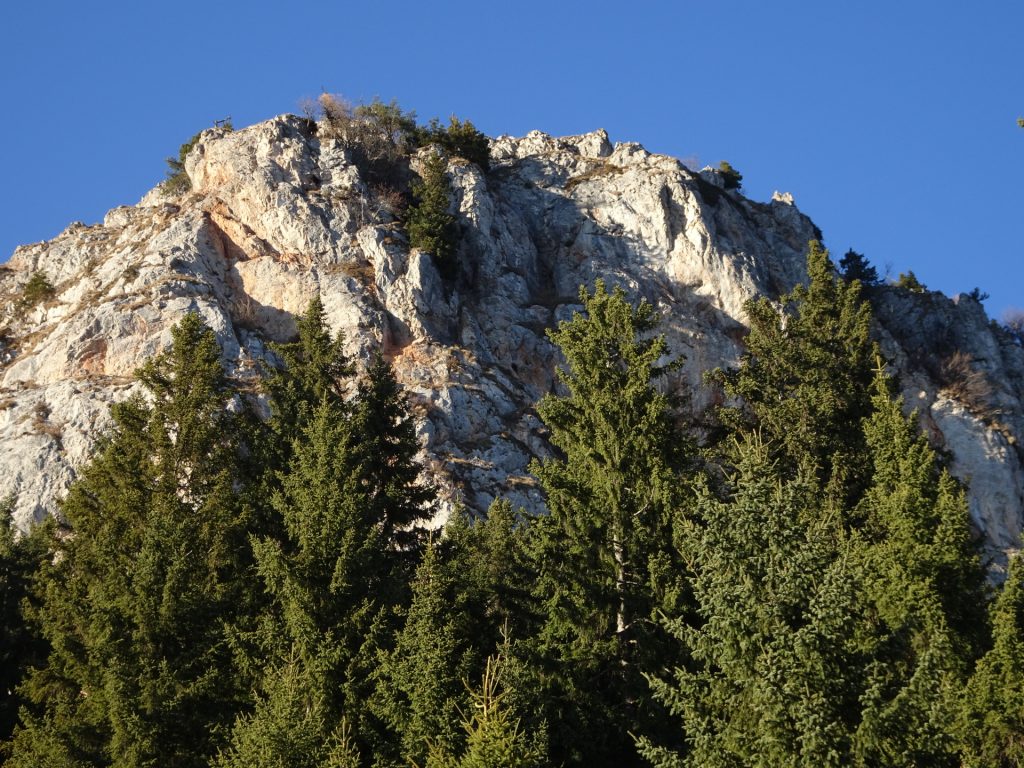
(37, 290)
(732, 178)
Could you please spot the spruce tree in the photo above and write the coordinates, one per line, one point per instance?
(806, 375)
(495, 737)
(153, 572)
(291, 727)
(431, 228)
(348, 505)
(315, 367)
(604, 558)
(420, 682)
(924, 593)
(384, 453)
(992, 715)
(22, 561)
(773, 673)
(917, 530)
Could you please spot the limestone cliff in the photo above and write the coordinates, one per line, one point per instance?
(278, 213)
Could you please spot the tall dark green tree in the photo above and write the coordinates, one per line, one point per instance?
(805, 379)
(384, 452)
(315, 368)
(605, 562)
(992, 716)
(421, 681)
(154, 571)
(924, 590)
(431, 228)
(917, 529)
(772, 677)
(854, 266)
(349, 504)
(22, 561)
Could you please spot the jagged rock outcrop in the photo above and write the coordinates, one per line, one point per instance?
(278, 213)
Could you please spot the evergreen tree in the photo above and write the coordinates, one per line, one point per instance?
(155, 570)
(604, 557)
(420, 689)
(805, 378)
(924, 592)
(315, 367)
(431, 228)
(494, 737)
(773, 673)
(348, 505)
(290, 728)
(917, 529)
(992, 720)
(854, 266)
(21, 647)
(459, 138)
(385, 456)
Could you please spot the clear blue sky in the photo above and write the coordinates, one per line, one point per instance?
(893, 124)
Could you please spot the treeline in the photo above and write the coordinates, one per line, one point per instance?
(801, 588)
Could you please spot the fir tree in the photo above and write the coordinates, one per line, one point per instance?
(494, 736)
(137, 607)
(385, 457)
(431, 228)
(917, 529)
(22, 559)
(992, 717)
(291, 727)
(854, 266)
(315, 367)
(604, 556)
(420, 688)
(348, 505)
(805, 378)
(773, 673)
(924, 592)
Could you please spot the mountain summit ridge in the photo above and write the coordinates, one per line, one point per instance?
(279, 212)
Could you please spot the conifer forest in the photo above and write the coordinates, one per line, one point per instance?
(243, 575)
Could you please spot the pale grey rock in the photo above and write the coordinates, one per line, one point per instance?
(278, 214)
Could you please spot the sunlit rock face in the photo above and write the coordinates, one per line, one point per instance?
(278, 213)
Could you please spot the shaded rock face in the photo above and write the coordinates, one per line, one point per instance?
(278, 213)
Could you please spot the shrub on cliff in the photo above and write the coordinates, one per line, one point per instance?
(460, 138)
(36, 290)
(908, 281)
(178, 182)
(732, 178)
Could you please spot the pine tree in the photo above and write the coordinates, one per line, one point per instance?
(155, 570)
(772, 677)
(992, 716)
(604, 556)
(805, 378)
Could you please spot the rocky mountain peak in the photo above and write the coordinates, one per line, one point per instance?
(279, 211)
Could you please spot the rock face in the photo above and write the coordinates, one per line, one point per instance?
(277, 214)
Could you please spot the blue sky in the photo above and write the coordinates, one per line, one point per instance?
(893, 124)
